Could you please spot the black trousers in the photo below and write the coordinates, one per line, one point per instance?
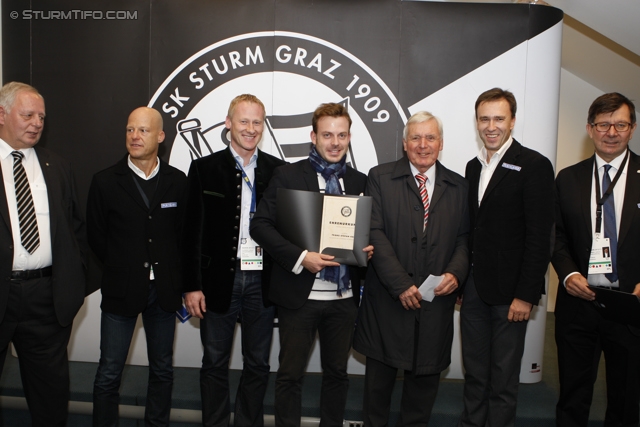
(41, 343)
(334, 323)
(581, 340)
(418, 396)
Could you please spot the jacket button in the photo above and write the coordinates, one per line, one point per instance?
(235, 227)
(237, 217)
(417, 208)
(238, 187)
(238, 196)
(235, 249)
(414, 239)
(145, 265)
(233, 259)
(150, 217)
(234, 237)
(150, 240)
(238, 207)
(232, 270)
(237, 175)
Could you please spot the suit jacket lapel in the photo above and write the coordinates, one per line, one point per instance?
(402, 171)
(585, 198)
(53, 195)
(4, 207)
(439, 186)
(630, 206)
(126, 182)
(164, 184)
(474, 182)
(310, 176)
(511, 156)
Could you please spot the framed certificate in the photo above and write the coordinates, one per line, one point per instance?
(330, 224)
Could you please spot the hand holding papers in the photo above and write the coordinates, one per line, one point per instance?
(329, 224)
(428, 286)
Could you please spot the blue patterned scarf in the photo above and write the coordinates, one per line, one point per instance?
(332, 172)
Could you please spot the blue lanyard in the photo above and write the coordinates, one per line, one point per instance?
(245, 178)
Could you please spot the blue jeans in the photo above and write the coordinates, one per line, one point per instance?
(216, 332)
(116, 332)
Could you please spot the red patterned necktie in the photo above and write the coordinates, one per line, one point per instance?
(424, 196)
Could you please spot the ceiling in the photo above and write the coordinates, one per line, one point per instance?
(601, 42)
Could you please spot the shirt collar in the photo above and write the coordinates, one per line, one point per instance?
(140, 173)
(6, 150)
(240, 160)
(482, 155)
(615, 163)
(430, 173)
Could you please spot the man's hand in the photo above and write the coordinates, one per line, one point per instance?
(636, 291)
(368, 249)
(411, 298)
(194, 301)
(449, 284)
(577, 285)
(314, 261)
(519, 310)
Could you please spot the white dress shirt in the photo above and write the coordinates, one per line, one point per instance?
(489, 168)
(245, 205)
(22, 259)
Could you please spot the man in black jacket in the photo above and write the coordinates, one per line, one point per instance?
(511, 199)
(225, 272)
(134, 221)
(582, 332)
(313, 293)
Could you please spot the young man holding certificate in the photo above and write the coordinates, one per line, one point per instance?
(312, 292)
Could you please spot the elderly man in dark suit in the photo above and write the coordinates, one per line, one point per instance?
(313, 293)
(134, 222)
(419, 227)
(226, 276)
(511, 202)
(42, 255)
(608, 182)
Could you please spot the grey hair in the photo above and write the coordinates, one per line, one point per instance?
(421, 117)
(9, 91)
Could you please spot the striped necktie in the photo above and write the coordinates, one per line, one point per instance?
(26, 212)
(424, 196)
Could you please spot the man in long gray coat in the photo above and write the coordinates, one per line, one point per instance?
(419, 227)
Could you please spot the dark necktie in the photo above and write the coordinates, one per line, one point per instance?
(610, 224)
(424, 196)
(26, 212)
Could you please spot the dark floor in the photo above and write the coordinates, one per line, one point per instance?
(536, 403)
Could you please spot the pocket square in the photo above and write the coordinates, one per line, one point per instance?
(169, 205)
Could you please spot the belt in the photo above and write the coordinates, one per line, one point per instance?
(31, 274)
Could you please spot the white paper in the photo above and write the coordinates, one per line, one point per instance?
(427, 287)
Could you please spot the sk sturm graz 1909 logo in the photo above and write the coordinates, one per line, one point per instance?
(292, 74)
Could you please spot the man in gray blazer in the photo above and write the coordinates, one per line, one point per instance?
(41, 255)
(419, 227)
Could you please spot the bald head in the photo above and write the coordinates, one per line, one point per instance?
(144, 134)
(150, 114)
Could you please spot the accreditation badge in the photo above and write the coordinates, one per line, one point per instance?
(250, 255)
(600, 259)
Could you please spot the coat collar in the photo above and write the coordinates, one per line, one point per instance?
(126, 181)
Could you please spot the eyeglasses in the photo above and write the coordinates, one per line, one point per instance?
(604, 126)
